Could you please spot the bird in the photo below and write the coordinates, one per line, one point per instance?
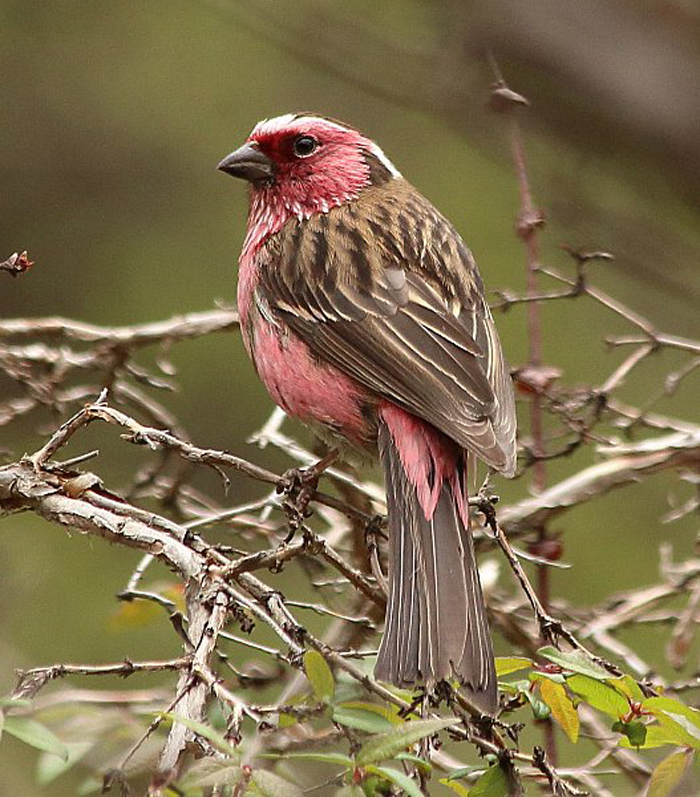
(365, 317)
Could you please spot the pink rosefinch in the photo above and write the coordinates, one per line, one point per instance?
(364, 314)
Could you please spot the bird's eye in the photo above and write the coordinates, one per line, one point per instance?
(304, 146)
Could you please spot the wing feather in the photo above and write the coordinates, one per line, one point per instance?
(405, 316)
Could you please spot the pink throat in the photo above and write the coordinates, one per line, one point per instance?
(271, 208)
(300, 194)
(297, 383)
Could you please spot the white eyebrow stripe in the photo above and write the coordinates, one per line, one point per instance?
(293, 121)
(378, 153)
(275, 124)
(318, 120)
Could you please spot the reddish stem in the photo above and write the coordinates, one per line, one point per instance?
(529, 222)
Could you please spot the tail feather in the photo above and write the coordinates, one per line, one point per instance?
(436, 625)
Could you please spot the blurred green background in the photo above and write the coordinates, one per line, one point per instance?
(114, 116)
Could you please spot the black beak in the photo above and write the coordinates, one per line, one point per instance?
(248, 163)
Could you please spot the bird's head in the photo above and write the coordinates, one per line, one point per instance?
(301, 164)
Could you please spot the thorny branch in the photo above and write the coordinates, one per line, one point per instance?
(38, 484)
(182, 327)
(529, 222)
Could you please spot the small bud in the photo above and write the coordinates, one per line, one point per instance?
(16, 264)
(549, 549)
(535, 378)
(529, 222)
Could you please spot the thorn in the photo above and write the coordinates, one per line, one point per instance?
(527, 223)
(581, 256)
(503, 99)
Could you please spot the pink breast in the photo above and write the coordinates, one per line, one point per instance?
(302, 386)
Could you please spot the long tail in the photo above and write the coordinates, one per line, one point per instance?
(436, 625)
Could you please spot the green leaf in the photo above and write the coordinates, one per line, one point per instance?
(387, 745)
(456, 787)
(206, 731)
(405, 783)
(668, 705)
(325, 758)
(635, 732)
(35, 734)
(557, 677)
(628, 686)
(209, 772)
(462, 771)
(493, 783)
(407, 695)
(505, 666)
(390, 713)
(320, 676)
(682, 721)
(361, 720)
(656, 736)
(540, 710)
(350, 791)
(50, 766)
(270, 785)
(416, 760)
(599, 695)
(576, 661)
(668, 774)
(563, 711)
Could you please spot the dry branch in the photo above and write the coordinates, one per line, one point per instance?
(190, 325)
(632, 463)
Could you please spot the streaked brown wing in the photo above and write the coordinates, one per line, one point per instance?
(395, 319)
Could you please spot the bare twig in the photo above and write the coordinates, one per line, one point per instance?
(530, 221)
(625, 465)
(206, 620)
(191, 325)
(31, 681)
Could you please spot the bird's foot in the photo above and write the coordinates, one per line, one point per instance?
(485, 503)
(417, 703)
(375, 529)
(299, 486)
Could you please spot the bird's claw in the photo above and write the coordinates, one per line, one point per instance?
(299, 486)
